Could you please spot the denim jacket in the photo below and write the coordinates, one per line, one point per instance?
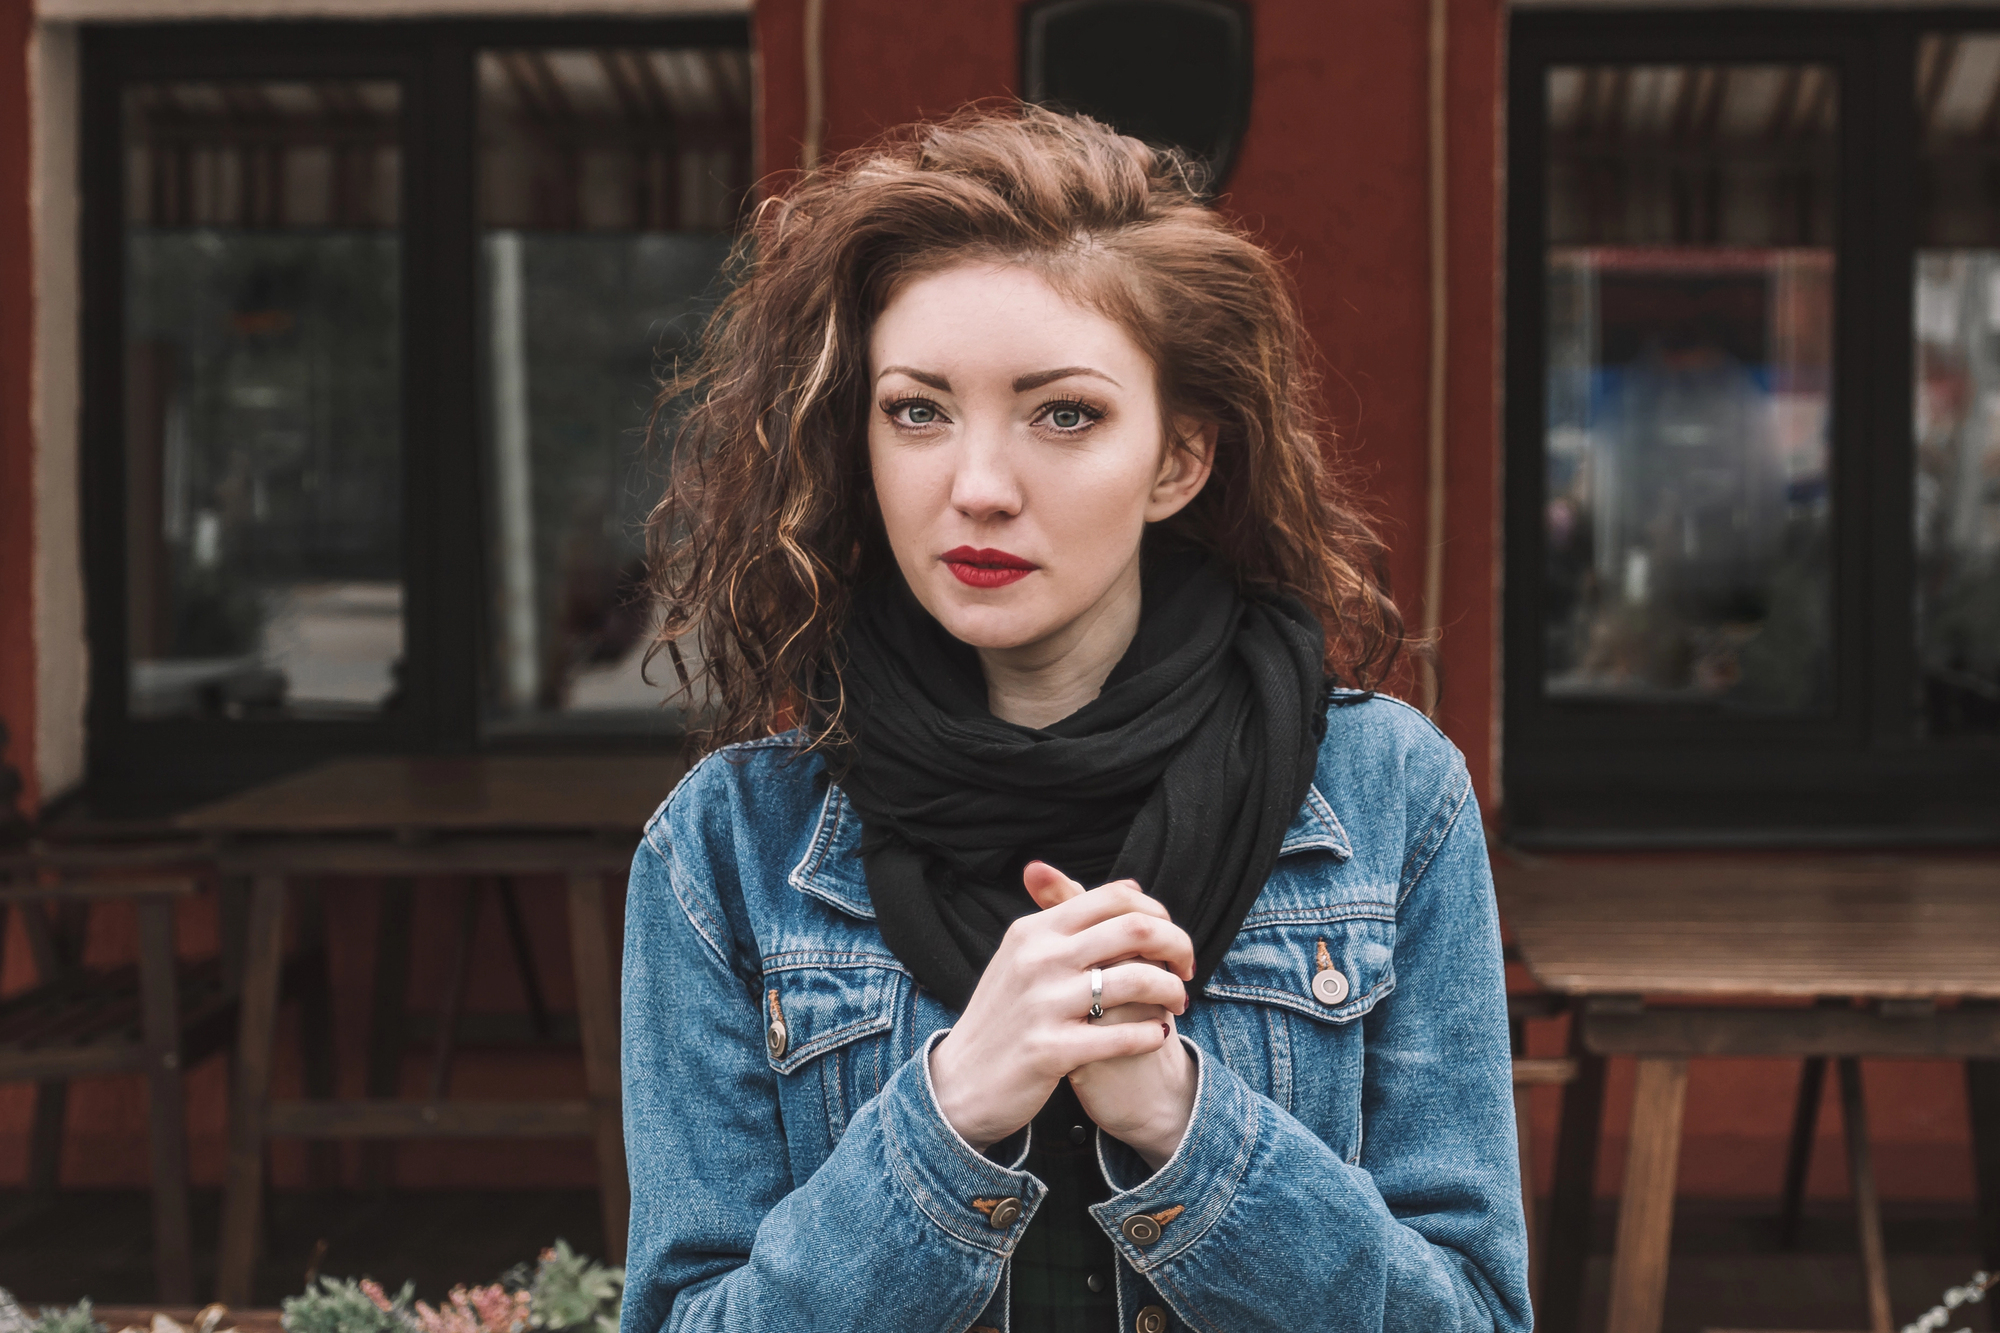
(1350, 1161)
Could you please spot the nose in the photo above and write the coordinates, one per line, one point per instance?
(984, 486)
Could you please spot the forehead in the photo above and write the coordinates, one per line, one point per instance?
(1006, 317)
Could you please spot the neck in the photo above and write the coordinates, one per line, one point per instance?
(1039, 684)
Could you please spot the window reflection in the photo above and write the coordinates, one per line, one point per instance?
(1690, 314)
(1956, 325)
(610, 182)
(262, 403)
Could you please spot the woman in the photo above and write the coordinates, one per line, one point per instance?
(1000, 481)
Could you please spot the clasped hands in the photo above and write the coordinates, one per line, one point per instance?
(1027, 1025)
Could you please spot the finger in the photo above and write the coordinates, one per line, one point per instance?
(1048, 886)
(1118, 898)
(1092, 1043)
(1134, 1013)
(1137, 983)
(1133, 935)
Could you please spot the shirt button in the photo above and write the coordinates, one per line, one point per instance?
(1152, 1319)
(1142, 1231)
(1005, 1214)
(1329, 986)
(1095, 1282)
(1077, 1134)
(776, 1038)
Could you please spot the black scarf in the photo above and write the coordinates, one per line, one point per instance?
(1183, 774)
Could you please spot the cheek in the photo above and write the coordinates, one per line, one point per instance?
(1100, 507)
(909, 490)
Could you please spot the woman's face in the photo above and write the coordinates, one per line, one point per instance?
(1018, 452)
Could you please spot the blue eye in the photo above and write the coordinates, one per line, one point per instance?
(919, 414)
(1069, 417)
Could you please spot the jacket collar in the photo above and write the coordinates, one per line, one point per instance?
(831, 868)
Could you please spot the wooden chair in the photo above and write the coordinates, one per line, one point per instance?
(156, 1017)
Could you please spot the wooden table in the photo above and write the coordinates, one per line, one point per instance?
(1677, 956)
(409, 819)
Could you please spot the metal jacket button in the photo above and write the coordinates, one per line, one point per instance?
(775, 1036)
(1152, 1319)
(1005, 1214)
(1329, 986)
(1142, 1231)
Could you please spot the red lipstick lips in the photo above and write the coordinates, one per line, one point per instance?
(979, 568)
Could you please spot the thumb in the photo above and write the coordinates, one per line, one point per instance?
(1048, 886)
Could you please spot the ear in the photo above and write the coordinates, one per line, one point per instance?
(1190, 457)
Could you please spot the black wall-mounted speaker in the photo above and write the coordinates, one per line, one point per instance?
(1171, 72)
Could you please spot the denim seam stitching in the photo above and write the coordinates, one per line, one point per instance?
(800, 960)
(1225, 1183)
(805, 874)
(920, 1191)
(825, 1042)
(695, 916)
(1312, 916)
(1347, 1013)
(1444, 823)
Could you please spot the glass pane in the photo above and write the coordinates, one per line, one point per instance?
(1956, 321)
(1690, 319)
(609, 186)
(263, 435)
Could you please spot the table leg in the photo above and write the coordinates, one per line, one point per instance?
(1798, 1155)
(324, 1164)
(597, 1017)
(445, 1045)
(1867, 1207)
(48, 944)
(257, 1028)
(388, 1018)
(1982, 1096)
(1646, 1208)
(1567, 1229)
(166, 1109)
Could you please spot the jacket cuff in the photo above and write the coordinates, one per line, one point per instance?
(1150, 1220)
(970, 1196)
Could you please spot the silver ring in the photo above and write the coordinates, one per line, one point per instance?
(1097, 992)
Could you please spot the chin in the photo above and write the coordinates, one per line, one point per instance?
(986, 626)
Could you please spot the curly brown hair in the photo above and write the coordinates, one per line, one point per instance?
(768, 522)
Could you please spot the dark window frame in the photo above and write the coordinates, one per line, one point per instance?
(1603, 773)
(138, 766)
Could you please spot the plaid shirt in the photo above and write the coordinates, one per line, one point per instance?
(1064, 1246)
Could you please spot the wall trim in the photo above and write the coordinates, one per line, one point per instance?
(1753, 4)
(62, 659)
(163, 11)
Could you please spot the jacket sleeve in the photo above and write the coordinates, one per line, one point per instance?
(1423, 1233)
(883, 1235)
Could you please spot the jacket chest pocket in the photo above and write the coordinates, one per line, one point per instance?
(827, 1028)
(1293, 992)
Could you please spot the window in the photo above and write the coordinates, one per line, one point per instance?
(1753, 497)
(374, 318)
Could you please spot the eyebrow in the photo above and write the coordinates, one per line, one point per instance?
(1041, 377)
(924, 377)
(1021, 385)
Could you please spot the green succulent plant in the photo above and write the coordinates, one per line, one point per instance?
(571, 1291)
(343, 1305)
(76, 1319)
